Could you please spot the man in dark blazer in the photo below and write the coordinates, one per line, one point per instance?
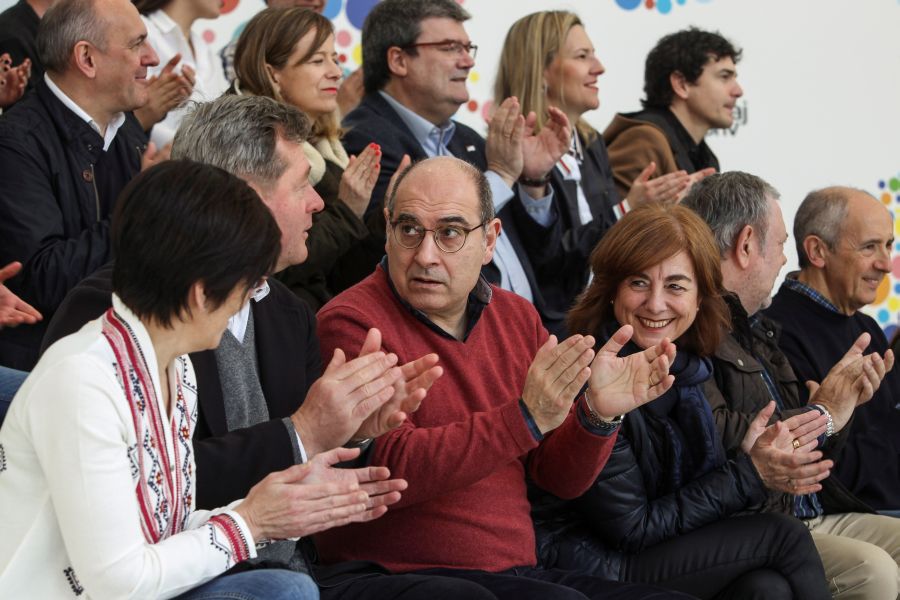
(417, 60)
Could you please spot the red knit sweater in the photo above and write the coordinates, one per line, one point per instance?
(466, 450)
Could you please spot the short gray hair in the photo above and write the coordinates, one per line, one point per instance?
(65, 24)
(730, 201)
(397, 23)
(821, 214)
(483, 188)
(239, 133)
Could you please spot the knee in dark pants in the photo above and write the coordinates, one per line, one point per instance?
(759, 584)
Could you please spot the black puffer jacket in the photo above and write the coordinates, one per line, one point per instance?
(629, 507)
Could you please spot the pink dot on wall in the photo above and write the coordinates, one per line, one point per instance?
(209, 36)
(343, 38)
(895, 267)
(486, 110)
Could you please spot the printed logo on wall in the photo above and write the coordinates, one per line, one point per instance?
(886, 308)
(663, 6)
(740, 120)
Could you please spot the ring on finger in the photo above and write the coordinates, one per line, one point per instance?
(796, 443)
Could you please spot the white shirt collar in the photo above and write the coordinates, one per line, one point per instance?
(111, 128)
(237, 324)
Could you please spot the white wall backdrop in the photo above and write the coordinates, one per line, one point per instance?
(821, 81)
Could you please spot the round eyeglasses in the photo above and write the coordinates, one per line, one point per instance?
(448, 238)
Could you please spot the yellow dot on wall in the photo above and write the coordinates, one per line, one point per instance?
(897, 226)
(886, 198)
(357, 54)
(883, 288)
(894, 304)
(473, 77)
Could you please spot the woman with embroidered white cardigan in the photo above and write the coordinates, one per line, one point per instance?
(96, 463)
(288, 54)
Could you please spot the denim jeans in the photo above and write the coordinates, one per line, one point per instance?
(10, 382)
(256, 584)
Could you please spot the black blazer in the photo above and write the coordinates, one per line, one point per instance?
(374, 120)
(559, 254)
(229, 463)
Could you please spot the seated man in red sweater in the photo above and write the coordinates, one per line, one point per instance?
(502, 410)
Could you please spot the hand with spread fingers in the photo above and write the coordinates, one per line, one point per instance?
(13, 310)
(346, 394)
(417, 377)
(619, 384)
(852, 381)
(542, 150)
(166, 91)
(374, 481)
(558, 371)
(666, 189)
(359, 179)
(784, 453)
(503, 146)
(13, 79)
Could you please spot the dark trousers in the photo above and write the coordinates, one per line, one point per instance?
(757, 556)
(530, 583)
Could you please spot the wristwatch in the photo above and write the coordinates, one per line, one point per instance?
(829, 424)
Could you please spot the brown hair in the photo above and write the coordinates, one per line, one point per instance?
(269, 39)
(531, 44)
(645, 237)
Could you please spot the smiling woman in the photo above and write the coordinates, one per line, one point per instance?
(662, 509)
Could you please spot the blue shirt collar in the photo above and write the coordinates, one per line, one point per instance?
(430, 136)
(792, 283)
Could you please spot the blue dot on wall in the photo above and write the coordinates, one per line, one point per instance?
(664, 6)
(332, 8)
(881, 184)
(681, 2)
(628, 4)
(357, 10)
(883, 315)
(897, 288)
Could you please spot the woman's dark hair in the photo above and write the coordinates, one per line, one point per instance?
(645, 237)
(180, 223)
(145, 7)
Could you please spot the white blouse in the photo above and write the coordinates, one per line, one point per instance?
(166, 38)
(80, 496)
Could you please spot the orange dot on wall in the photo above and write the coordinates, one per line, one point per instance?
(472, 105)
(886, 198)
(882, 292)
(228, 6)
(650, 3)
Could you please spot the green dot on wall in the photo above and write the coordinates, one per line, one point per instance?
(894, 184)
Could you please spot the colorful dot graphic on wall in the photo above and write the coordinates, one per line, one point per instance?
(357, 10)
(662, 6)
(886, 308)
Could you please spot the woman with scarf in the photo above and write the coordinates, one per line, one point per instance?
(97, 472)
(664, 510)
(288, 54)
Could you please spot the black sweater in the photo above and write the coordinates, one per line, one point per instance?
(814, 338)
